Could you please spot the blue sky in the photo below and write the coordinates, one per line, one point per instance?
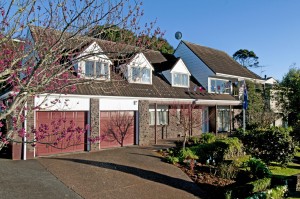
(271, 28)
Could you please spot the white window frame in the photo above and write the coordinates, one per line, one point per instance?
(139, 77)
(102, 68)
(213, 88)
(162, 115)
(224, 120)
(180, 85)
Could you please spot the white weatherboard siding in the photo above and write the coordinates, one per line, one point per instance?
(62, 103)
(180, 67)
(196, 67)
(118, 104)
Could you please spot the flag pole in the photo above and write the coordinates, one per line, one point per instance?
(244, 120)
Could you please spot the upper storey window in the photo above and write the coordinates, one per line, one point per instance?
(180, 79)
(140, 74)
(96, 69)
(220, 86)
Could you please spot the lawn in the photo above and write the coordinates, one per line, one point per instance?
(291, 169)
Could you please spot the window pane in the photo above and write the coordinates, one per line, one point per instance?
(89, 68)
(106, 70)
(176, 79)
(98, 69)
(185, 80)
(152, 118)
(135, 73)
(146, 75)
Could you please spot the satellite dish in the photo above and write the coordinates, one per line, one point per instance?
(178, 35)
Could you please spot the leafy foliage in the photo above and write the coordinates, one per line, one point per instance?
(246, 58)
(208, 138)
(258, 112)
(218, 150)
(272, 144)
(258, 168)
(172, 159)
(290, 87)
(227, 170)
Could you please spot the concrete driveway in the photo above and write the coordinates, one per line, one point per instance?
(29, 179)
(131, 172)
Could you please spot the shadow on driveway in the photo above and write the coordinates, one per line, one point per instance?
(177, 183)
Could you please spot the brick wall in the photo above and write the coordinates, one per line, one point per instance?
(172, 130)
(95, 122)
(144, 128)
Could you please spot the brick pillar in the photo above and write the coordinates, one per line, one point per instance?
(144, 128)
(29, 124)
(95, 122)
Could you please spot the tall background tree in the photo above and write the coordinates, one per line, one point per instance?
(246, 58)
(290, 96)
(29, 67)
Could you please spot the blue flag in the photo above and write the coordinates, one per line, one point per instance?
(245, 102)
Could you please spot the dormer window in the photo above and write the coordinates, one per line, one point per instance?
(180, 80)
(96, 69)
(140, 74)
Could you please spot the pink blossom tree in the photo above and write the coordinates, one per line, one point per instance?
(40, 42)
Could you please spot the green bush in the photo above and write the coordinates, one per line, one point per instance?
(260, 184)
(271, 145)
(227, 170)
(172, 159)
(258, 168)
(246, 190)
(195, 140)
(185, 154)
(275, 193)
(207, 138)
(219, 150)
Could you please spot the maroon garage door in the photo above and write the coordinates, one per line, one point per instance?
(75, 143)
(114, 125)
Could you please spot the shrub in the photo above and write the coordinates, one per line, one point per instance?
(208, 138)
(271, 145)
(260, 184)
(195, 140)
(249, 188)
(258, 168)
(172, 159)
(275, 193)
(227, 170)
(187, 154)
(219, 150)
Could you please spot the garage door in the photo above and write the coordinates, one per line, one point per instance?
(115, 125)
(66, 144)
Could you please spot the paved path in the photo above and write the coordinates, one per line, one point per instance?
(29, 179)
(132, 172)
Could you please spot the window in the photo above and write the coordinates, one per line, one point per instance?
(180, 79)
(141, 75)
(223, 119)
(96, 69)
(162, 117)
(220, 86)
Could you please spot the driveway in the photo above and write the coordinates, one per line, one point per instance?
(29, 179)
(131, 172)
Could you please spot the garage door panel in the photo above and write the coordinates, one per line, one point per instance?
(109, 120)
(65, 145)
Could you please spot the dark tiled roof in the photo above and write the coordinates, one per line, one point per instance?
(219, 61)
(159, 89)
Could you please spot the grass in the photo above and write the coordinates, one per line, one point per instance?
(291, 169)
